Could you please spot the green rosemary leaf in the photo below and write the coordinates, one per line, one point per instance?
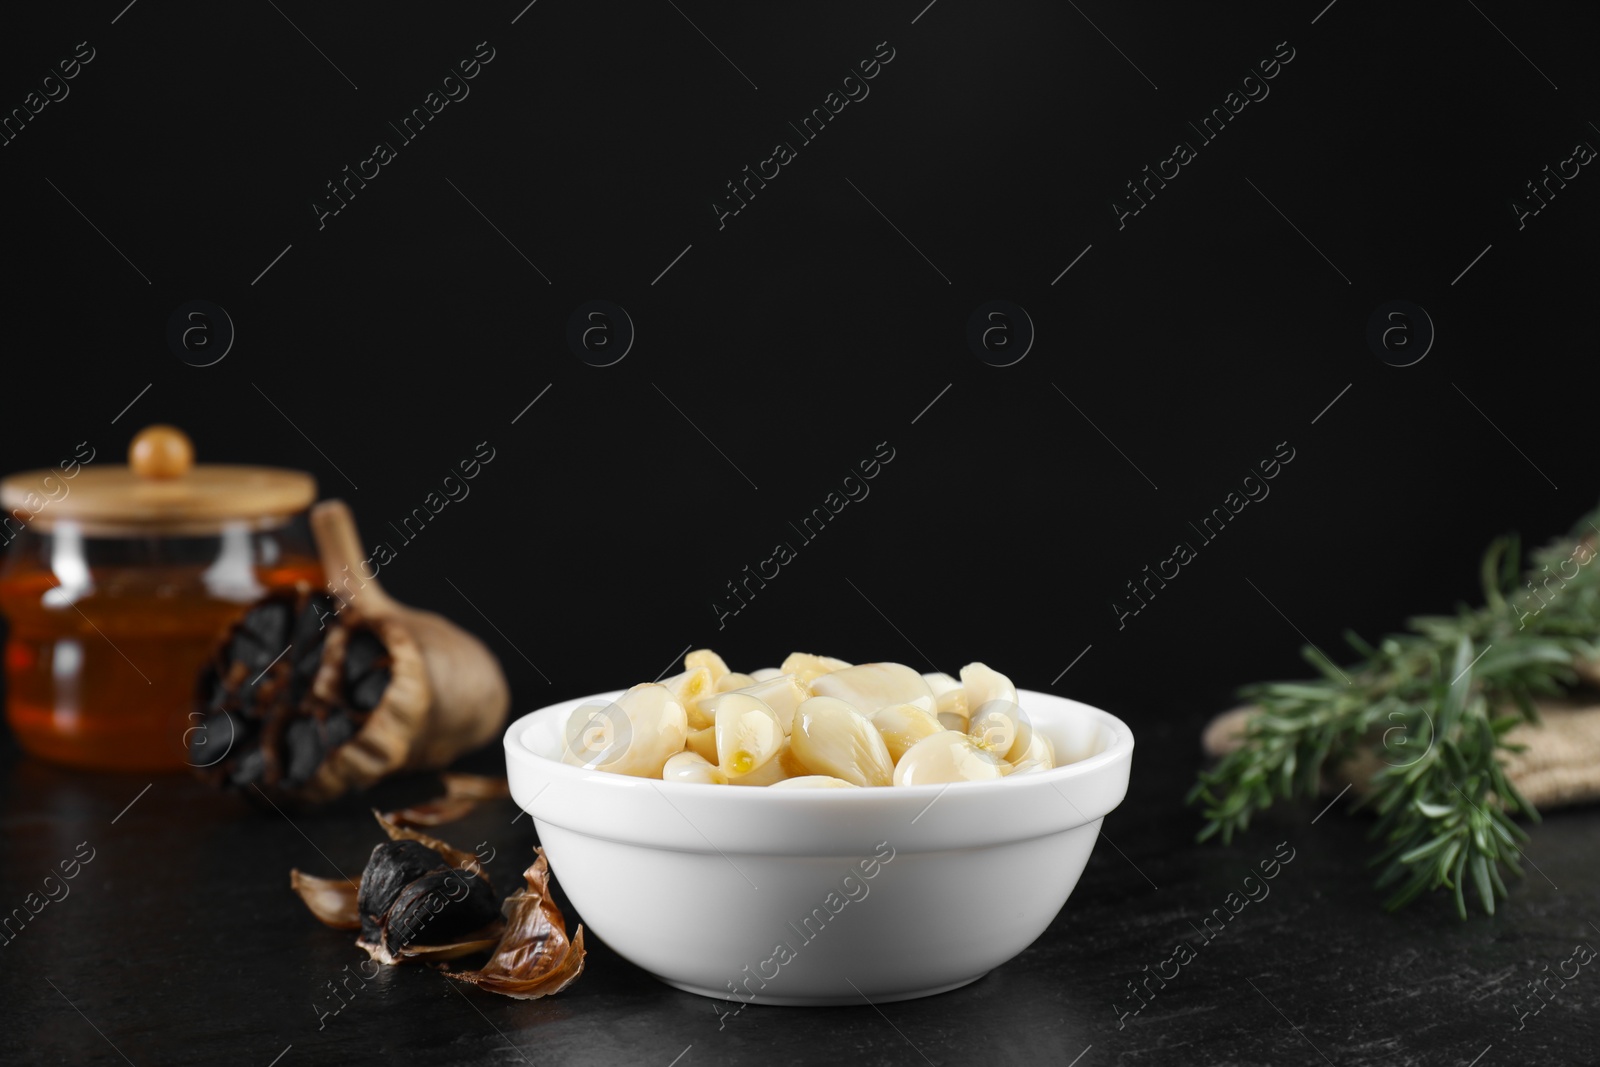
(1429, 704)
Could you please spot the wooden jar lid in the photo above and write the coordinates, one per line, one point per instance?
(161, 490)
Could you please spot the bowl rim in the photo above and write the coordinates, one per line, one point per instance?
(1119, 749)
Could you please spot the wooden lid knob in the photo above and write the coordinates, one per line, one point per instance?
(161, 452)
(161, 490)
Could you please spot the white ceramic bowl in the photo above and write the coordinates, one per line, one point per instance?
(822, 896)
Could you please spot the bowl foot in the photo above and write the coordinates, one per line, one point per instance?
(842, 1001)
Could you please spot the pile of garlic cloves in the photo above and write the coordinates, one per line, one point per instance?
(814, 722)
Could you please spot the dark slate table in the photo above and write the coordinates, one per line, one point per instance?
(180, 942)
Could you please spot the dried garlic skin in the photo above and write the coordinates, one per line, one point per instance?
(814, 781)
(331, 900)
(876, 685)
(647, 727)
(948, 756)
(704, 657)
(534, 958)
(749, 733)
(903, 725)
(808, 668)
(831, 737)
(694, 768)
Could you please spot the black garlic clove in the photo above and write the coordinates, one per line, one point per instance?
(291, 684)
(392, 866)
(439, 908)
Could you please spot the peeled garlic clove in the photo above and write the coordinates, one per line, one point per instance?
(983, 684)
(808, 667)
(635, 734)
(703, 743)
(660, 729)
(876, 685)
(903, 725)
(704, 657)
(748, 733)
(734, 680)
(780, 768)
(951, 721)
(814, 781)
(790, 763)
(1032, 747)
(941, 683)
(765, 674)
(996, 727)
(1031, 766)
(831, 737)
(687, 689)
(783, 694)
(692, 767)
(954, 702)
(948, 756)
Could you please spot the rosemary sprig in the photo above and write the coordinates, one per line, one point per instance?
(1429, 705)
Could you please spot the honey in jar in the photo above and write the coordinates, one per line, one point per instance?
(117, 583)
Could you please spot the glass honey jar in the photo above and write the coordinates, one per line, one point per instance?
(118, 582)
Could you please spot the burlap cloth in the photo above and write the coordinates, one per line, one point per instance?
(1560, 766)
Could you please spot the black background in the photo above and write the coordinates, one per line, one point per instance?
(808, 329)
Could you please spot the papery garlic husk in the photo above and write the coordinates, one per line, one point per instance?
(876, 685)
(635, 734)
(947, 757)
(833, 738)
(688, 689)
(534, 958)
(749, 733)
(694, 768)
(462, 795)
(903, 725)
(331, 900)
(704, 657)
(814, 781)
(807, 667)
